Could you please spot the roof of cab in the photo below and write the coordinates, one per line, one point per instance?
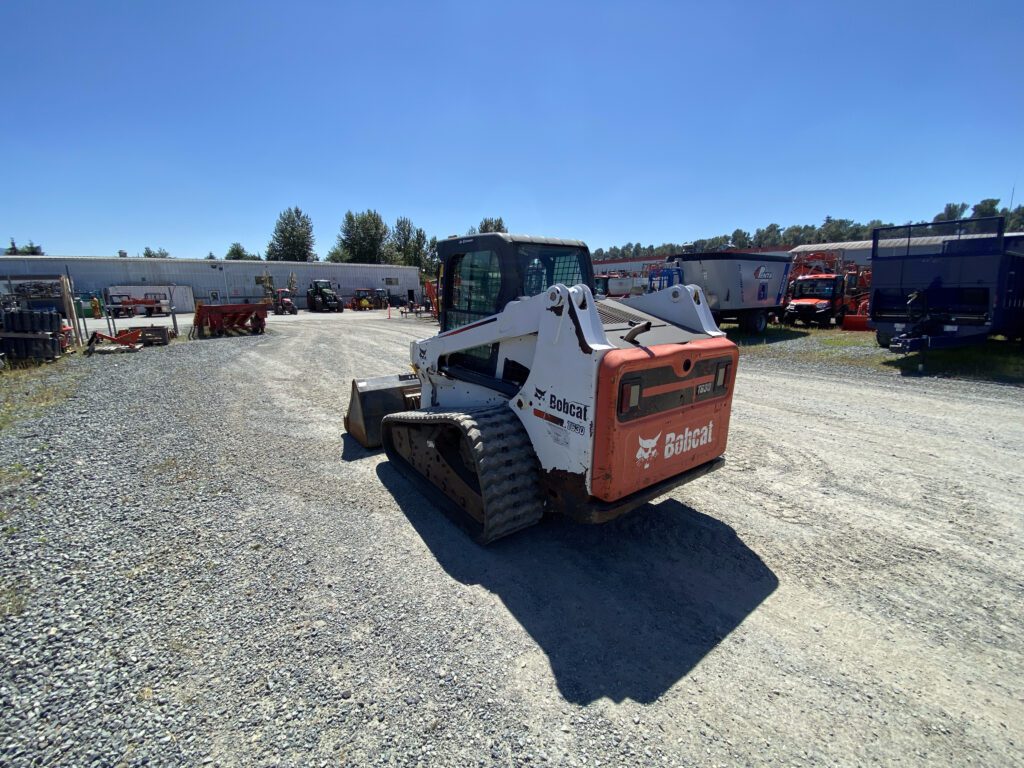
(449, 243)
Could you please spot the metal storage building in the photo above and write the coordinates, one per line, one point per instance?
(212, 280)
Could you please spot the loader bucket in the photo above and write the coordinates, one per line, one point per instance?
(373, 399)
(855, 323)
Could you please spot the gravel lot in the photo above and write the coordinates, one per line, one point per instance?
(198, 567)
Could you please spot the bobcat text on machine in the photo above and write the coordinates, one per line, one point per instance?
(534, 396)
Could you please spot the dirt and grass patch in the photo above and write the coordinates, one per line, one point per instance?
(997, 360)
(12, 600)
(774, 334)
(27, 392)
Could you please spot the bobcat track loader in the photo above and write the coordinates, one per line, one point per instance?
(534, 396)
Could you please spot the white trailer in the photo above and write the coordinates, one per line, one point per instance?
(740, 287)
(615, 286)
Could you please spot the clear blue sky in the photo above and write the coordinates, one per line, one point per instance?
(189, 125)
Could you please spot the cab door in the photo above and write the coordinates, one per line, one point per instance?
(474, 288)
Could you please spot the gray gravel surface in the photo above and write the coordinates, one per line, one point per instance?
(198, 567)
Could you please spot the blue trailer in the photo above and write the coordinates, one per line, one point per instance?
(946, 284)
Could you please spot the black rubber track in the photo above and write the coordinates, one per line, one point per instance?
(503, 459)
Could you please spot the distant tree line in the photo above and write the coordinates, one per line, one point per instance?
(365, 238)
(830, 231)
(25, 250)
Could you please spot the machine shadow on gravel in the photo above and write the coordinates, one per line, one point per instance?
(623, 610)
(351, 450)
(775, 334)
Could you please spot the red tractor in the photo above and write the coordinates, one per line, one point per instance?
(283, 304)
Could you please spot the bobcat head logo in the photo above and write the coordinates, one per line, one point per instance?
(423, 353)
(648, 450)
(540, 394)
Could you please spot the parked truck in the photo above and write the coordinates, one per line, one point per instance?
(154, 299)
(967, 286)
(740, 287)
(823, 297)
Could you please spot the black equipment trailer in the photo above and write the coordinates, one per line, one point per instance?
(946, 284)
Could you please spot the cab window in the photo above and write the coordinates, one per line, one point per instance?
(545, 265)
(475, 294)
(476, 286)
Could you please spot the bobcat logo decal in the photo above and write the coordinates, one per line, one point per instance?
(539, 394)
(648, 450)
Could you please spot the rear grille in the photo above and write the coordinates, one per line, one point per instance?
(611, 315)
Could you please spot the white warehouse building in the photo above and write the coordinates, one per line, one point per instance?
(214, 280)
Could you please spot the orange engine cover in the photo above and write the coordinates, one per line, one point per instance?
(660, 411)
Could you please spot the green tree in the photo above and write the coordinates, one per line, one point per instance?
(388, 253)
(740, 238)
(718, 243)
(337, 253)
(210, 256)
(837, 230)
(401, 238)
(1014, 218)
(293, 237)
(798, 234)
(362, 239)
(951, 212)
(159, 253)
(866, 231)
(26, 250)
(408, 243)
(768, 237)
(492, 225)
(237, 253)
(987, 207)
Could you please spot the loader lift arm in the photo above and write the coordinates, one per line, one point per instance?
(520, 319)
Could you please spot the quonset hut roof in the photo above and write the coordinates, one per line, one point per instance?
(889, 242)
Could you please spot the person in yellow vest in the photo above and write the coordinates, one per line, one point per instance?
(95, 304)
